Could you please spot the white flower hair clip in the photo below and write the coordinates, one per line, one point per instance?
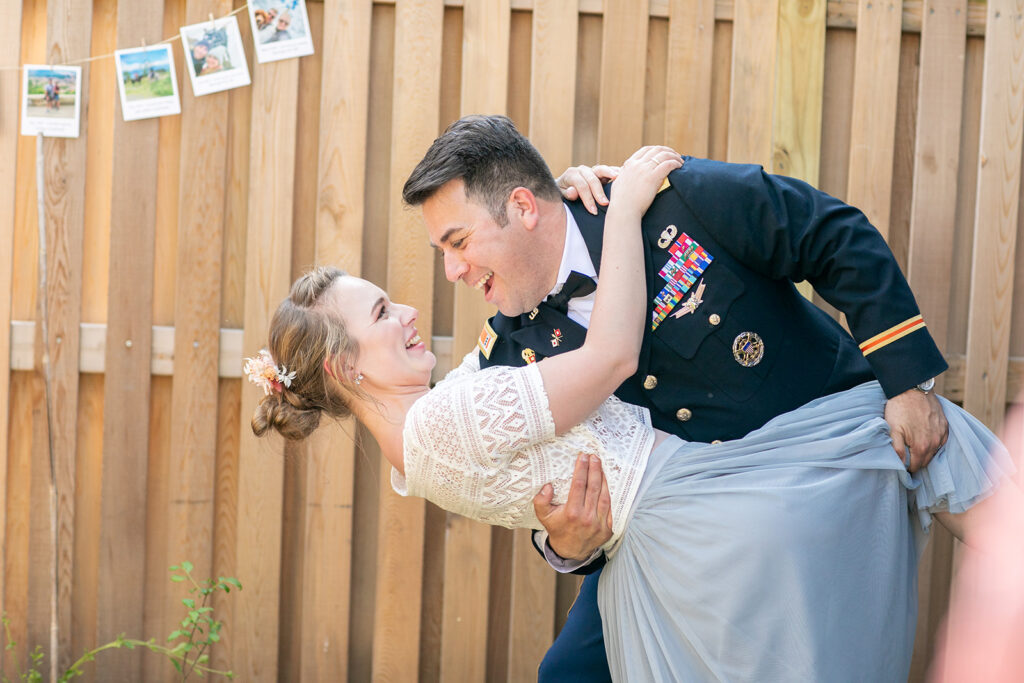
(264, 373)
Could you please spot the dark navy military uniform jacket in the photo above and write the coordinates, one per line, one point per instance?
(753, 347)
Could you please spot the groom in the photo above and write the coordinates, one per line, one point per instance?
(730, 343)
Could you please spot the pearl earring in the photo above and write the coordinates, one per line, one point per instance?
(359, 378)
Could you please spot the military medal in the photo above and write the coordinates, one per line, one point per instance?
(691, 304)
(667, 235)
(529, 356)
(688, 261)
(487, 339)
(556, 337)
(748, 349)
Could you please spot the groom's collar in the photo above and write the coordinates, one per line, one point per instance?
(576, 254)
(590, 227)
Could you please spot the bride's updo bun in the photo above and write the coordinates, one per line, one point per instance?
(306, 337)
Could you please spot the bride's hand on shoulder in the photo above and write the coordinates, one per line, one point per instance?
(641, 177)
(586, 184)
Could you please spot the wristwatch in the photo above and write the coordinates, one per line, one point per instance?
(926, 386)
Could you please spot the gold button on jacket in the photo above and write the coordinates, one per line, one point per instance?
(684, 414)
(714, 318)
(650, 382)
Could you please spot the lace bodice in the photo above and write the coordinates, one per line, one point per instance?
(482, 444)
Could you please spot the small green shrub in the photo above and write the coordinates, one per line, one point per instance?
(188, 647)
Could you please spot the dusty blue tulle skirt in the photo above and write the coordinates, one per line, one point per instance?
(788, 555)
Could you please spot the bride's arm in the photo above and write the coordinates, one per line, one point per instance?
(578, 381)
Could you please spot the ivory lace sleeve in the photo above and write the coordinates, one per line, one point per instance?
(470, 444)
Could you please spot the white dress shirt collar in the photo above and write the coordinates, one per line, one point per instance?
(575, 255)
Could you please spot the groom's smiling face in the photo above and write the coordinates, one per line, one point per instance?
(482, 254)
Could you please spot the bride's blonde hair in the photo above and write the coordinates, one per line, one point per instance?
(308, 339)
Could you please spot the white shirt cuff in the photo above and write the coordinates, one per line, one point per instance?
(561, 564)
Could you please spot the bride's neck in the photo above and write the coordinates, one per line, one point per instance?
(383, 413)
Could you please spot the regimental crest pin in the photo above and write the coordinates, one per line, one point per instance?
(529, 356)
(488, 337)
(748, 349)
(556, 336)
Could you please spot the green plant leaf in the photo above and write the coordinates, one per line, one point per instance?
(177, 579)
(187, 566)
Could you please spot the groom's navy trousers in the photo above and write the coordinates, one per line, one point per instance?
(732, 343)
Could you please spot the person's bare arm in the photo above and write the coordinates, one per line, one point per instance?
(578, 381)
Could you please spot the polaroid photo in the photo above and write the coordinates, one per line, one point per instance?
(214, 56)
(146, 80)
(280, 29)
(49, 100)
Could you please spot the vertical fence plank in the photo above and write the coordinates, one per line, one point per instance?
(10, 83)
(752, 93)
(799, 84)
(344, 106)
(552, 79)
(267, 278)
(417, 80)
(69, 25)
(873, 126)
(485, 40)
(800, 75)
(165, 262)
(995, 224)
(193, 429)
(552, 107)
(25, 393)
(930, 249)
(721, 85)
(691, 36)
(620, 122)
(121, 571)
(95, 269)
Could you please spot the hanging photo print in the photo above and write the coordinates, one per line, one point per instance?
(280, 29)
(50, 102)
(145, 78)
(214, 56)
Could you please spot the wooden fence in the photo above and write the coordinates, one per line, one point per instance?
(171, 241)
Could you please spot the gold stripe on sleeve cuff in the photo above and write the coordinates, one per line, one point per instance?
(892, 334)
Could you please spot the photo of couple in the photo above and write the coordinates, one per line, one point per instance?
(215, 55)
(280, 29)
(657, 401)
(50, 101)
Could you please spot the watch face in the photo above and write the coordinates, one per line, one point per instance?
(927, 385)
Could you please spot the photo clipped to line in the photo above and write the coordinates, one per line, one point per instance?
(214, 56)
(147, 83)
(280, 29)
(50, 102)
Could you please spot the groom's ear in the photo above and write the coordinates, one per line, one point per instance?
(522, 206)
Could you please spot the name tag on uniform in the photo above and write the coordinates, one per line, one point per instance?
(487, 339)
(687, 262)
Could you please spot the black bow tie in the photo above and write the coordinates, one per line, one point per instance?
(577, 285)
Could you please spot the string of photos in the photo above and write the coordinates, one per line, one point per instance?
(214, 57)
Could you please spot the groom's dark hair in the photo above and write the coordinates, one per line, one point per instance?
(490, 156)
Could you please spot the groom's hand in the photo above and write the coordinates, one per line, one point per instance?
(584, 522)
(916, 424)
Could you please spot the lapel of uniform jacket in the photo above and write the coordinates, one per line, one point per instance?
(592, 229)
(550, 333)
